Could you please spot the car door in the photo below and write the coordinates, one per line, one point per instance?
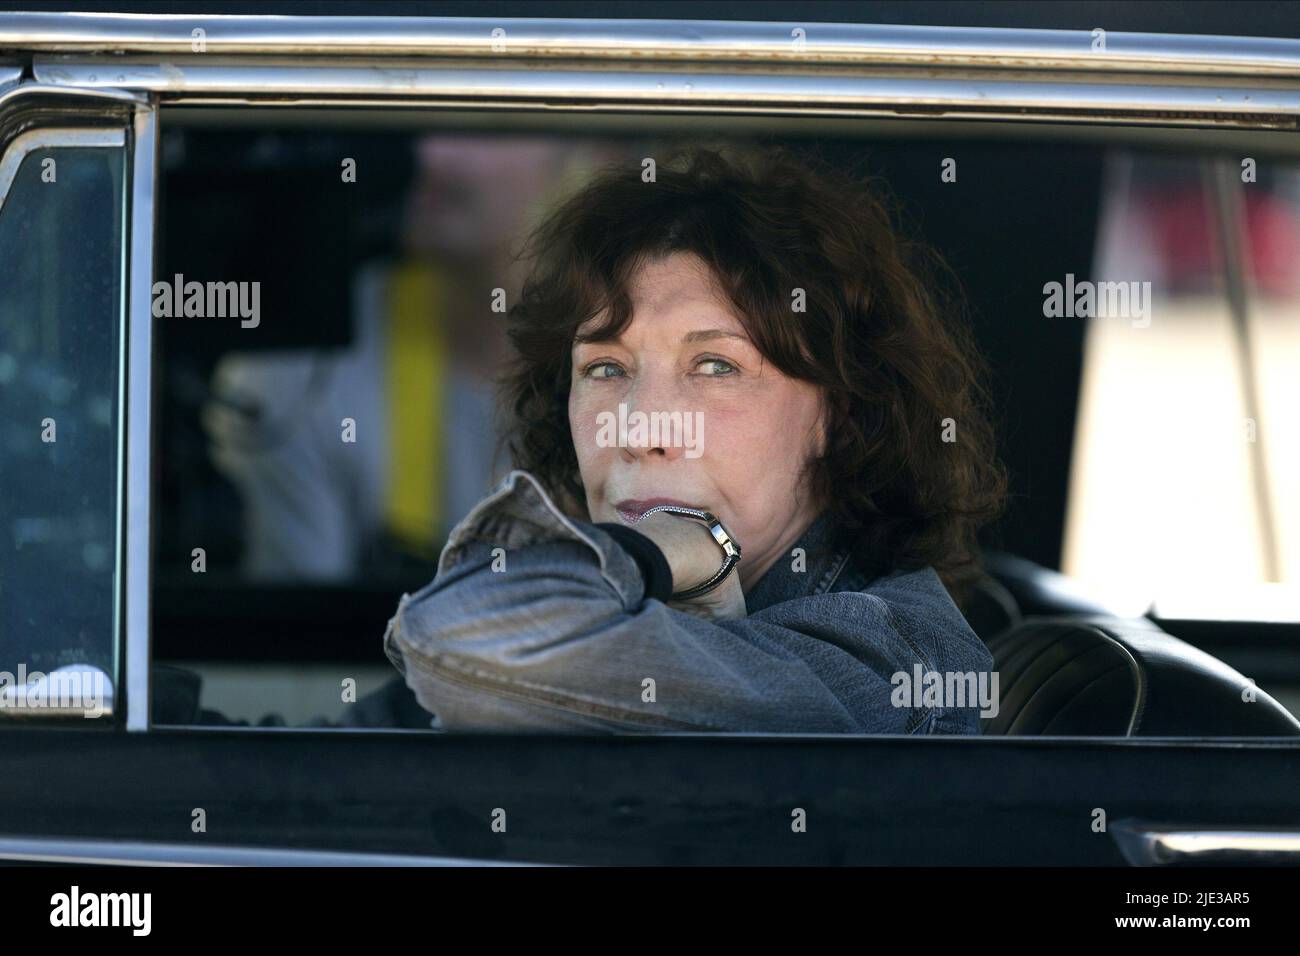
(184, 793)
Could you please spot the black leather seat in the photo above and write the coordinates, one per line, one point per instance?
(989, 608)
(1039, 590)
(1097, 675)
(1012, 588)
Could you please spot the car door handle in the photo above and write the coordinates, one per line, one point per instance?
(1156, 844)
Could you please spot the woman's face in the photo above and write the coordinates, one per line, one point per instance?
(741, 433)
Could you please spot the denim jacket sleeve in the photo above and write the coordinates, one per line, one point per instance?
(539, 622)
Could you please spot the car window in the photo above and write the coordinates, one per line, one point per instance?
(320, 436)
(61, 231)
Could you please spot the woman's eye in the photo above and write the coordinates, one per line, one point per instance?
(603, 370)
(716, 367)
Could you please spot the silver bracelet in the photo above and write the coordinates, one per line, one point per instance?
(730, 549)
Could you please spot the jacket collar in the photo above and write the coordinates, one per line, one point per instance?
(816, 563)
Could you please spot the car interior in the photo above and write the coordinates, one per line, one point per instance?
(1116, 596)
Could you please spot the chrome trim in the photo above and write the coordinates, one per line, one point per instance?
(24, 144)
(138, 392)
(987, 96)
(737, 67)
(104, 96)
(1146, 844)
(822, 44)
(143, 853)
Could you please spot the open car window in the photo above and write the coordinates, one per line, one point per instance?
(317, 452)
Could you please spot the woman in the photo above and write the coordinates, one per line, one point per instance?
(775, 550)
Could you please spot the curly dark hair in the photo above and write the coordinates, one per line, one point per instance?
(893, 352)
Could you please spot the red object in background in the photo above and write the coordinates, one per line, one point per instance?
(1187, 241)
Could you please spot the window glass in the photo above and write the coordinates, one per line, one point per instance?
(61, 227)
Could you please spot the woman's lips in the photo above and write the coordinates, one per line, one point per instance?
(631, 509)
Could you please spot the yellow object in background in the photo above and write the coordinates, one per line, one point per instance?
(416, 368)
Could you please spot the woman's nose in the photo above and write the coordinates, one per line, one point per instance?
(656, 414)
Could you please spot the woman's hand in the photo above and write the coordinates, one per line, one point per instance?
(694, 557)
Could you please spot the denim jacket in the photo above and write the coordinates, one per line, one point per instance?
(538, 622)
